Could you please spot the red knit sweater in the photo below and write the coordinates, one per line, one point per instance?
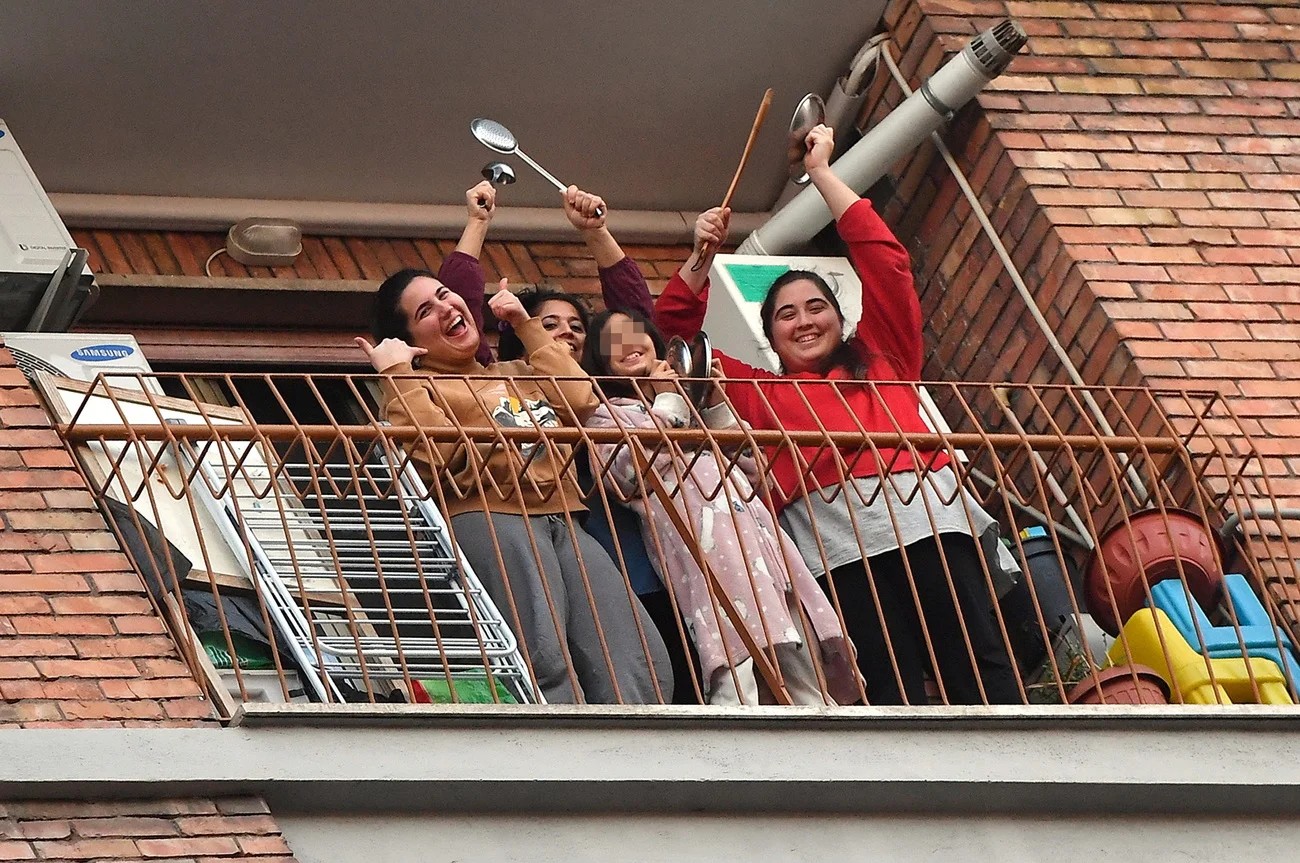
(888, 336)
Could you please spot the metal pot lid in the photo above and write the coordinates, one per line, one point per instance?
(701, 369)
(810, 112)
(679, 356)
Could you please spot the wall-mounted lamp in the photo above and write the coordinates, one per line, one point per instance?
(258, 242)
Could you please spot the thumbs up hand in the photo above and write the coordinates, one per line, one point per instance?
(506, 306)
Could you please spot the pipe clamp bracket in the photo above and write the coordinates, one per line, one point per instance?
(940, 107)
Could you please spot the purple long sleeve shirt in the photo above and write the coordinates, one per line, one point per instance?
(622, 287)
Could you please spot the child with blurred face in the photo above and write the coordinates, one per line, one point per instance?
(755, 564)
(630, 350)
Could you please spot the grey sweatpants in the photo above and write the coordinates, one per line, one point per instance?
(567, 629)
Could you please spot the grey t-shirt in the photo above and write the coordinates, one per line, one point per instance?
(892, 514)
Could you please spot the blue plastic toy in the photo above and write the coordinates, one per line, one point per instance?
(1258, 635)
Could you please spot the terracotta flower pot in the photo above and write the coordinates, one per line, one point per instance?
(1145, 545)
(1117, 686)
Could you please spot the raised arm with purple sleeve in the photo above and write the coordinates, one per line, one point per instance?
(461, 270)
(622, 286)
(464, 275)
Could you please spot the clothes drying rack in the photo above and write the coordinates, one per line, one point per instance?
(357, 570)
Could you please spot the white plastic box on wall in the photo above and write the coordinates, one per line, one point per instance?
(82, 356)
(33, 242)
(263, 687)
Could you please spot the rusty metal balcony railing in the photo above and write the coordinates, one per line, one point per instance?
(309, 557)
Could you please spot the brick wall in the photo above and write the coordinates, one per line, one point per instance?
(567, 265)
(1142, 162)
(80, 642)
(278, 326)
(197, 830)
(81, 645)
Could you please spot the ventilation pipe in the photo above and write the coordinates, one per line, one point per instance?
(844, 104)
(948, 89)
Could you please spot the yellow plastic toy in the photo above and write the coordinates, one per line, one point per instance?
(1188, 672)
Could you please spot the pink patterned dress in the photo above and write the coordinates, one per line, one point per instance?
(756, 564)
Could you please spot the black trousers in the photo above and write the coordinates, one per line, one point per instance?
(659, 605)
(897, 614)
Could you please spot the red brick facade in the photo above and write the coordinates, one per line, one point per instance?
(1142, 163)
(567, 265)
(81, 645)
(81, 641)
(237, 828)
(286, 326)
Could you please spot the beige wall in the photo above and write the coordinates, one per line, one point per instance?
(506, 838)
(333, 100)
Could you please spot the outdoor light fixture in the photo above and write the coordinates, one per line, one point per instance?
(264, 242)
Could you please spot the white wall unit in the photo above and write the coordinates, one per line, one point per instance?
(34, 246)
(83, 356)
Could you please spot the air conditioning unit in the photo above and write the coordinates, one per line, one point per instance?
(739, 284)
(82, 356)
(44, 280)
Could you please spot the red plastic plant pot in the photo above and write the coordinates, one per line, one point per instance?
(1118, 686)
(1146, 546)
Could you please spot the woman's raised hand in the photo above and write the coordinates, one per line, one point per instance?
(481, 202)
(663, 378)
(389, 352)
(716, 387)
(581, 208)
(821, 144)
(506, 306)
(711, 228)
(710, 233)
(835, 192)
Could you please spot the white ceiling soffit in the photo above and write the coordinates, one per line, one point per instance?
(648, 104)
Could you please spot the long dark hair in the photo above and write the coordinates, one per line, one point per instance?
(509, 347)
(850, 356)
(387, 320)
(595, 362)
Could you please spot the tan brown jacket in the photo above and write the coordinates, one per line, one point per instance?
(515, 477)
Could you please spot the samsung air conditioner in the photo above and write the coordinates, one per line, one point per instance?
(44, 280)
(83, 357)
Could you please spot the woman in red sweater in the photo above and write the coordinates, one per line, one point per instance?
(895, 560)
